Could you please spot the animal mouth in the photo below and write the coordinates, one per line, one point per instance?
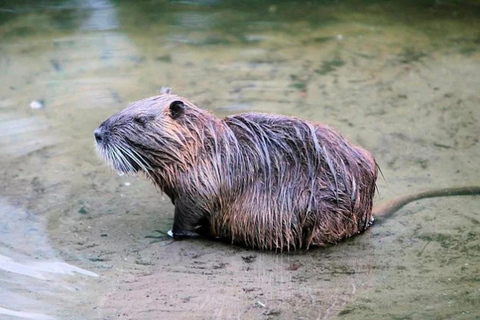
(119, 154)
(123, 158)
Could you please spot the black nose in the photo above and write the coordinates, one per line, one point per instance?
(98, 134)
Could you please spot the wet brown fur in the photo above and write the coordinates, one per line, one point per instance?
(264, 181)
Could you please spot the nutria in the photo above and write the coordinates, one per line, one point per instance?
(264, 181)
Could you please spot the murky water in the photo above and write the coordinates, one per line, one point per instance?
(401, 78)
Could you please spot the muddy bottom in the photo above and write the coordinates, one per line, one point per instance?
(79, 242)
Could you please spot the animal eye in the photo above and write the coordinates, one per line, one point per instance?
(141, 119)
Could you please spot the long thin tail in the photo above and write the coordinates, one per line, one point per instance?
(387, 208)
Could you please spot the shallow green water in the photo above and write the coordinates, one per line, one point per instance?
(400, 78)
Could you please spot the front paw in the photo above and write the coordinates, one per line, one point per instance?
(181, 234)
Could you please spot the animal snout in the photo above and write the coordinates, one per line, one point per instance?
(98, 133)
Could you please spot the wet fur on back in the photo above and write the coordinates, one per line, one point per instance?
(264, 181)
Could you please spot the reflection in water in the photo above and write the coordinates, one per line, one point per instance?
(103, 15)
(19, 136)
(35, 282)
(41, 270)
(24, 315)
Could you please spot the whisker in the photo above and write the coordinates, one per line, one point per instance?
(137, 158)
(120, 160)
(128, 166)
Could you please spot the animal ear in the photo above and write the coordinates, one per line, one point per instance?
(165, 90)
(177, 109)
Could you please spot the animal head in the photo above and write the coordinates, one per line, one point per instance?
(157, 133)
